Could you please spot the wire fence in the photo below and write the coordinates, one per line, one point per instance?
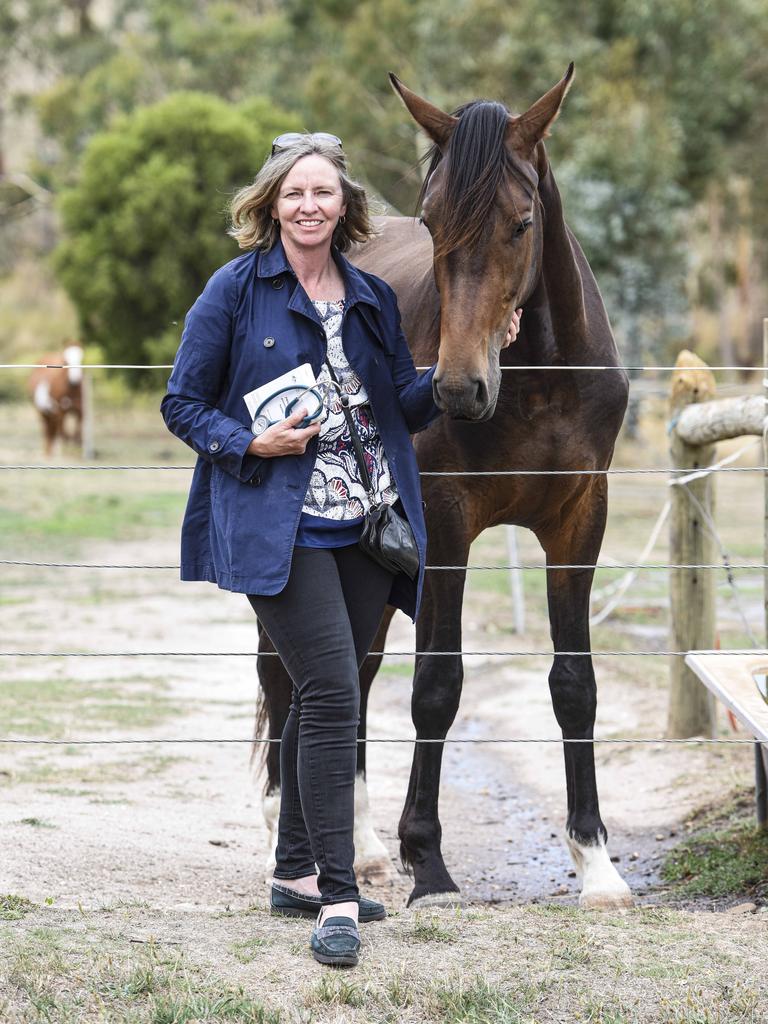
(560, 368)
(523, 566)
(266, 741)
(371, 654)
(661, 471)
(674, 475)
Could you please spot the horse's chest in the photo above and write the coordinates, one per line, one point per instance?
(533, 405)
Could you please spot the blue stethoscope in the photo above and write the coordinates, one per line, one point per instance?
(262, 421)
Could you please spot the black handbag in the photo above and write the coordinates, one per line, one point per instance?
(387, 537)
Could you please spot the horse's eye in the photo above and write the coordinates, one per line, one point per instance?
(522, 227)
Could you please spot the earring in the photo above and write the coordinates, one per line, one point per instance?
(276, 222)
(342, 219)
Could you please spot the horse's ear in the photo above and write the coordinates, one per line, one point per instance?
(531, 127)
(436, 123)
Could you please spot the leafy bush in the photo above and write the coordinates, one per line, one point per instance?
(145, 224)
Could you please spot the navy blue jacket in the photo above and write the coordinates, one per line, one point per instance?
(252, 323)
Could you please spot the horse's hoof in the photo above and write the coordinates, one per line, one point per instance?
(603, 888)
(620, 899)
(433, 900)
(375, 871)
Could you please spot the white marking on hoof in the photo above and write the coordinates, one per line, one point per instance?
(373, 865)
(602, 887)
(438, 899)
(270, 808)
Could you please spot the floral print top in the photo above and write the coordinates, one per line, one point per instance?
(336, 491)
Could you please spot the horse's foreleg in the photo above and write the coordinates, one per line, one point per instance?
(435, 701)
(576, 541)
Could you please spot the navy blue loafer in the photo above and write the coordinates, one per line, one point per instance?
(336, 941)
(290, 903)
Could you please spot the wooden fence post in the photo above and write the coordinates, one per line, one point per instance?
(692, 591)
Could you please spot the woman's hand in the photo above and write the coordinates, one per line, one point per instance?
(514, 328)
(285, 437)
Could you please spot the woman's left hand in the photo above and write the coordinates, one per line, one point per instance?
(514, 328)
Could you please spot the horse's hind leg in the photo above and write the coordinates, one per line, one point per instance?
(576, 540)
(372, 861)
(274, 704)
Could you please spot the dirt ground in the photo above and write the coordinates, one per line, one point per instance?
(181, 824)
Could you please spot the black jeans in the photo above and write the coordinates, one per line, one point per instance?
(322, 626)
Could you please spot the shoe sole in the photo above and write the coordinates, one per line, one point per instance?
(348, 960)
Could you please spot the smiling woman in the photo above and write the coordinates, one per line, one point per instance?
(279, 516)
(256, 225)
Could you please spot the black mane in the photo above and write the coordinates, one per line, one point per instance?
(476, 161)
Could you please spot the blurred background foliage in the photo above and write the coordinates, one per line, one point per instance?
(125, 126)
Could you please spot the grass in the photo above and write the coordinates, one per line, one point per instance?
(720, 863)
(479, 1001)
(335, 991)
(87, 769)
(92, 516)
(431, 929)
(13, 908)
(51, 706)
(87, 971)
(49, 979)
(725, 855)
(249, 950)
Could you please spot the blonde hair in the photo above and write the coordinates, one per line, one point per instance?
(251, 207)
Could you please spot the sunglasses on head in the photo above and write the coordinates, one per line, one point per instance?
(293, 138)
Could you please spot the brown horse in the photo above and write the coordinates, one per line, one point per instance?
(491, 238)
(56, 389)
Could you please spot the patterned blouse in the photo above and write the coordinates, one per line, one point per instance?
(335, 489)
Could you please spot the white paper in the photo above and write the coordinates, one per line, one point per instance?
(301, 377)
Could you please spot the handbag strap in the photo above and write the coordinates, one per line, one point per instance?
(357, 444)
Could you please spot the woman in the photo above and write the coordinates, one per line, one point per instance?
(277, 516)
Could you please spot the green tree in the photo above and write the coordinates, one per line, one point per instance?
(145, 223)
(157, 47)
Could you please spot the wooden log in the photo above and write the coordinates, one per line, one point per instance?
(692, 591)
(717, 421)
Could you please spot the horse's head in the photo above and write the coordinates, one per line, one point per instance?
(481, 205)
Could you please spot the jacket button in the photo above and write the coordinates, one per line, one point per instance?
(214, 446)
(269, 342)
(255, 480)
(277, 282)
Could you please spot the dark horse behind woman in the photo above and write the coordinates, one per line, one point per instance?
(491, 238)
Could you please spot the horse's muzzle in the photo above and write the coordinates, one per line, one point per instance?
(463, 398)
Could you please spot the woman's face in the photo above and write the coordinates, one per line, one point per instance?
(309, 203)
